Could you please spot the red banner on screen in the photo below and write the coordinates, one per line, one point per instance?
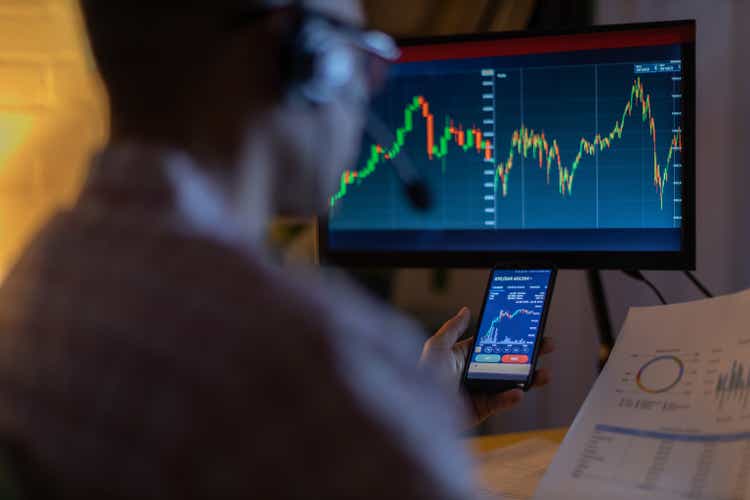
(548, 44)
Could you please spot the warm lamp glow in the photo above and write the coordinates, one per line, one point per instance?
(53, 116)
(13, 130)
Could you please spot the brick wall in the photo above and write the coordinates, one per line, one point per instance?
(52, 115)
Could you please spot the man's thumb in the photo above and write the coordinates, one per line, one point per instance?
(452, 330)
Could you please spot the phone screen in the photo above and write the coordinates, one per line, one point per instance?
(510, 325)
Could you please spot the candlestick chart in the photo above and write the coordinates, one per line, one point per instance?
(550, 147)
(524, 141)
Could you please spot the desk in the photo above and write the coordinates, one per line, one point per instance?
(511, 465)
(488, 443)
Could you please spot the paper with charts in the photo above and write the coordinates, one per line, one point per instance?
(669, 417)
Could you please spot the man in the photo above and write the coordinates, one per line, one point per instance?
(151, 348)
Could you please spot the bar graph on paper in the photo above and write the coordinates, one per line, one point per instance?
(733, 386)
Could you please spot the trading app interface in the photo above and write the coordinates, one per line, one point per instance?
(508, 329)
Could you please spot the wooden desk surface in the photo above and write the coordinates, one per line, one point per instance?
(488, 443)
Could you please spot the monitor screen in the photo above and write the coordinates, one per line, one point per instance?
(575, 148)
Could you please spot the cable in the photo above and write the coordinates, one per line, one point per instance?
(656, 291)
(637, 275)
(700, 286)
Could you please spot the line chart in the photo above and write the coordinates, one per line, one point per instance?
(493, 332)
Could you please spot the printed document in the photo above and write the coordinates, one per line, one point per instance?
(669, 417)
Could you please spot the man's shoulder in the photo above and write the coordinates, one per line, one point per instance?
(125, 261)
(285, 353)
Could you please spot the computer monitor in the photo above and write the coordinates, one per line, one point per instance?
(572, 148)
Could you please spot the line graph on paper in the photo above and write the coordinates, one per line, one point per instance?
(551, 147)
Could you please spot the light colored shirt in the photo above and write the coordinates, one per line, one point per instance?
(146, 352)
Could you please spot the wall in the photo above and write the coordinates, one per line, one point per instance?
(445, 17)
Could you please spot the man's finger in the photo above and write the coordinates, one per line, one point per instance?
(462, 348)
(541, 377)
(452, 330)
(506, 400)
(548, 345)
(487, 405)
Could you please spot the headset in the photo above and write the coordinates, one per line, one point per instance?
(320, 63)
(322, 55)
(316, 66)
(321, 60)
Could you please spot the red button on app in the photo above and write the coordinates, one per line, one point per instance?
(515, 358)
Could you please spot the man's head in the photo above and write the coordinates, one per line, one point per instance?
(221, 80)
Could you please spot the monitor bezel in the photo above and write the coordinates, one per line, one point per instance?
(683, 259)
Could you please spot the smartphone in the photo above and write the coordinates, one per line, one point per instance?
(509, 334)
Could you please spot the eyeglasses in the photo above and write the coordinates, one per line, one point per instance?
(379, 48)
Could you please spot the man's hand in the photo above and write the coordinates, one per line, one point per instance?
(443, 353)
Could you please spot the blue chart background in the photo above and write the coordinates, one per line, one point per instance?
(534, 282)
(551, 92)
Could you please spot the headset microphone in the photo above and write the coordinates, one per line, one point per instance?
(415, 187)
(316, 69)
